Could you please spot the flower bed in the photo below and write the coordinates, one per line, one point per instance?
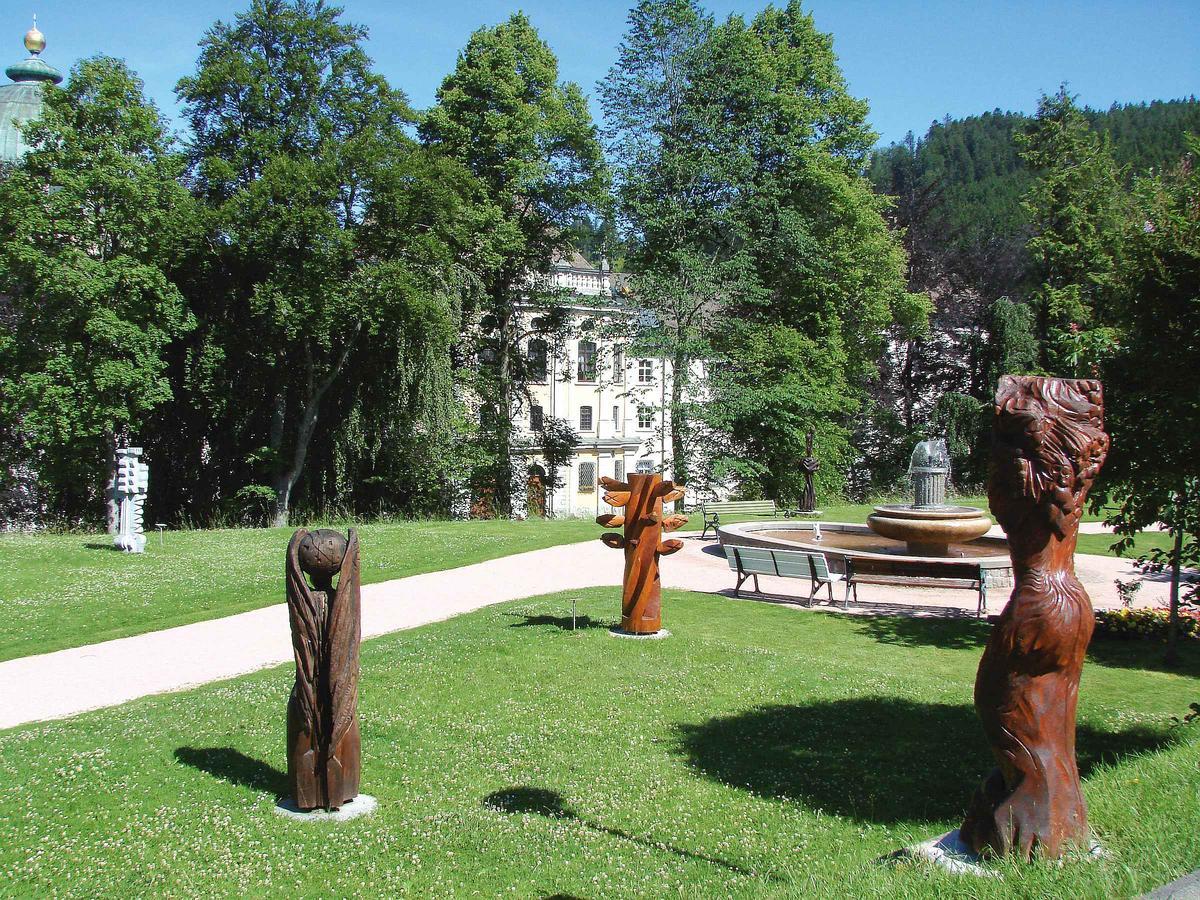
(1146, 624)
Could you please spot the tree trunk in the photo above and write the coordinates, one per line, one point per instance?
(112, 508)
(679, 378)
(278, 418)
(285, 479)
(502, 488)
(1172, 655)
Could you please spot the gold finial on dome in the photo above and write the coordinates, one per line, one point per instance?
(35, 41)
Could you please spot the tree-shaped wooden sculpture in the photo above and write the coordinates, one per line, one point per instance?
(642, 499)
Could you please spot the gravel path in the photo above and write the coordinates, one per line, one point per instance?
(66, 682)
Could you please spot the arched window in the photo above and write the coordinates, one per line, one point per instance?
(587, 360)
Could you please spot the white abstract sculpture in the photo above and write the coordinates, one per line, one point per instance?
(133, 480)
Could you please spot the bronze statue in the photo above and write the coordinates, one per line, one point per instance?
(1048, 446)
(322, 722)
(809, 464)
(642, 498)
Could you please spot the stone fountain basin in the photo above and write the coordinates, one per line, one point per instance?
(935, 526)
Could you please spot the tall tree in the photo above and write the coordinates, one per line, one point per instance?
(672, 198)
(91, 221)
(529, 138)
(1153, 408)
(1075, 206)
(299, 152)
(829, 272)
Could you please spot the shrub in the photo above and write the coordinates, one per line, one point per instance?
(254, 504)
(1145, 624)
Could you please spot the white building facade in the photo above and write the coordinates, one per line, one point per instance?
(616, 400)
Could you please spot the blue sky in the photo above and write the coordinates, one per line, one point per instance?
(915, 62)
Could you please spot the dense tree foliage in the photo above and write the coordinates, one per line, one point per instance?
(93, 224)
(1153, 405)
(335, 239)
(757, 239)
(326, 303)
(1075, 209)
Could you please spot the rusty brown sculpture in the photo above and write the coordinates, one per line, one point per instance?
(1048, 446)
(642, 498)
(809, 465)
(322, 722)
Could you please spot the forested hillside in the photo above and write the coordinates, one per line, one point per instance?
(958, 194)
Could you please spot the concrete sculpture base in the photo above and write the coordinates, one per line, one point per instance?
(362, 805)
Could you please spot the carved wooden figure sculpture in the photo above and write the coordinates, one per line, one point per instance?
(642, 499)
(322, 720)
(1048, 446)
(809, 465)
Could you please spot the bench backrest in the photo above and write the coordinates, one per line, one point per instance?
(784, 563)
(741, 507)
(927, 569)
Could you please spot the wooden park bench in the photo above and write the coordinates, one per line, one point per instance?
(712, 511)
(750, 562)
(929, 573)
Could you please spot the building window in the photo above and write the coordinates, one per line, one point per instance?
(645, 370)
(537, 356)
(587, 477)
(587, 360)
(645, 417)
(536, 418)
(619, 470)
(645, 467)
(585, 418)
(616, 417)
(618, 365)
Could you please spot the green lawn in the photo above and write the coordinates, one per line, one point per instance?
(65, 590)
(760, 751)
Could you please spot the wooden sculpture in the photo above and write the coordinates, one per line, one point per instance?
(322, 721)
(1048, 446)
(642, 498)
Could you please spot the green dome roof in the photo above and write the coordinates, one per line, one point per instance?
(22, 100)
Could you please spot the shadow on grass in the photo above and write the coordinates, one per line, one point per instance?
(962, 631)
(562, 622)
(1142, 654)
(98, 546)
(873, 759)
(548, 803)
(235, 767)
(950, 632)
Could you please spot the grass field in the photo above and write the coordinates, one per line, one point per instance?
(64, 590)
(760, 751)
